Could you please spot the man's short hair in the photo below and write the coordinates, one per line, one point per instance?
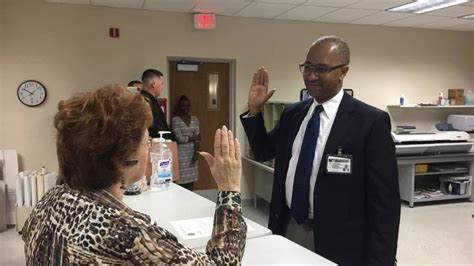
(149, 74)
(133, 82)
(341, 47)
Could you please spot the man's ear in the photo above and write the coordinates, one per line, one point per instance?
(344, 71)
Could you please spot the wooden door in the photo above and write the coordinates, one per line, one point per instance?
(212, 112)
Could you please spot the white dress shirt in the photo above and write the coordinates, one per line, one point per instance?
(326, 121)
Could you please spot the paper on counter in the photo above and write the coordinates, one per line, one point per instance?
(193, 228)
(197, 228)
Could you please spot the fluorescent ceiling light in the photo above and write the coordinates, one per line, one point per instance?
(471, 17)
(423, 6)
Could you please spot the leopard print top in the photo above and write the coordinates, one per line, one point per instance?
(71, 227)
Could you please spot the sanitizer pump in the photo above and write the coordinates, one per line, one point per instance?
(161, 160)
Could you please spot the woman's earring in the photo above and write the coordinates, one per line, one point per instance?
(122, 184)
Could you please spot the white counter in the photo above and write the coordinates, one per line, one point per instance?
(275, 249)
(178, 203)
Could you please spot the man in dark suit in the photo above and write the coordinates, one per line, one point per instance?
(152, 80)
(335, 187)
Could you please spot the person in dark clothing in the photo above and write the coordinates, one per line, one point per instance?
(335, 186)
(136, 83)
(152, 80)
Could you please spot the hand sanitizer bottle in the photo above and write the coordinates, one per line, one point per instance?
(161, 160)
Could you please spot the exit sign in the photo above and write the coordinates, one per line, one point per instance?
(204, 21)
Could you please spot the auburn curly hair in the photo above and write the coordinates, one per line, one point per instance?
(96, 132)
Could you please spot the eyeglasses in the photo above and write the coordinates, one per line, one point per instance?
(133, 162)
(317, 70)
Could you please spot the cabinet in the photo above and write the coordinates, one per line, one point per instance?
(415, 186)
(271, 115)
(262, 173)
(262, 179)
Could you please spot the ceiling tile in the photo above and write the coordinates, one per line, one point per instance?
(262, 10)
(381, 18)
(227, 8)
(306, 12)
(379, 5)
(355, 12)
(465, 27)
(413, 21)
(293, 2)
(446, 23)
(453, 11)
(119, 3)
(169, 5)
(345, 15)
(334, 3)
(76, 2)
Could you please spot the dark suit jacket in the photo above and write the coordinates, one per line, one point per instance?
(356, 217)
(159, 118)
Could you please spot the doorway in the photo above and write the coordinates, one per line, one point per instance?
(207, 84)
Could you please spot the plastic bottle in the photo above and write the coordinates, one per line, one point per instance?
(468, 98)
(450, 189)
(402, 100)
(440, 98)
(161, 160)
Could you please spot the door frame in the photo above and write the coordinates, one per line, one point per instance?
(232, 81)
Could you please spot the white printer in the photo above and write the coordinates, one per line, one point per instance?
(432, 143)
(462, 122)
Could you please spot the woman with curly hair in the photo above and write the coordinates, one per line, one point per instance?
(102, 148)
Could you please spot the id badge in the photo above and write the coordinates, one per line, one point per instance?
(339, 163)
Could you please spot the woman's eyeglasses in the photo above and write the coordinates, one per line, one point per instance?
(133, 162)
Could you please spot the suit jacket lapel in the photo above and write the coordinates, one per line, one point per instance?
(339, 129)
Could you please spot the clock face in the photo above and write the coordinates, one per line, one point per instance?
(31, 93)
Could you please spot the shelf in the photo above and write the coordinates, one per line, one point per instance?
(262, 182)
(435, 158)
(466, 172)
(450, 164)
(431, 107)
(258, 164)
(447, 197)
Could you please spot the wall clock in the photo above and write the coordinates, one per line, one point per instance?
(31, 93)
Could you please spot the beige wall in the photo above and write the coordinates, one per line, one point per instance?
(2, 70)
(471, 41)
(67, 48)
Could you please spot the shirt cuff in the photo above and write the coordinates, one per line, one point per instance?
(229, 199)
(248, 115)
